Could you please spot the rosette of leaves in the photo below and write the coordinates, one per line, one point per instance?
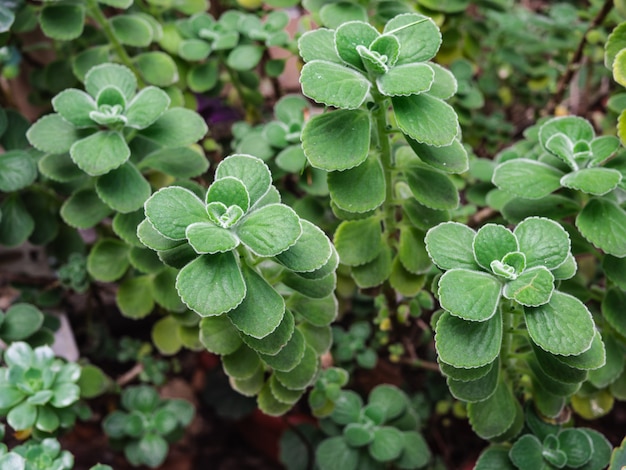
(96, 131)
(350, 347)
(498, 295)
(244, 243)
(147, 424)
(354, 65)
(573, 157)
(327, 390)
(37, 455)
(379, 434)
(37, 389)
(548, 446)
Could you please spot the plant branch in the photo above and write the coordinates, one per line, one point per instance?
(576, 60)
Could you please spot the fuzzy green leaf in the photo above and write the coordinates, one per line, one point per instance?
(312, 250)
(358, 241)
(108, 260)
(527, 178)
(157, 68)
(17, 170)
(532, 288)
(333, 84)
(543, 241)
(269, 230)
(603, 223)
(470, 295)
(450, 159)
(262, 309)
(337, 140)
(123, 189)
(252, 171)
(494, 416)
(426, 119)
(432, 188)
(177, 127)
(404, 80)
(171, 210)
(359, 189)
(449, 245)
(318, 44)
(218, 335)
(562, 326)
(418, 34)
(596, 181)
(334, 452)
(221, 272)
(100, 152)
(63, 21)
(52, 134)
(491, 243)
(84, 209)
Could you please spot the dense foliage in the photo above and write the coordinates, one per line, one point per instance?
(427, 227)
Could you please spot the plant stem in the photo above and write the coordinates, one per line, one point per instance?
(98, 16)
(384, 147)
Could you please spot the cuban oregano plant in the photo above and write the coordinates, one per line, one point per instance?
(382, 433)
(504, 318)
(372, 173)
(101, 139)
(570, 155)
(38, 390)
(261, 277)
(147, 424)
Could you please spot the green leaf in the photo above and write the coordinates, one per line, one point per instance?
(449, 245)
(543, 241)
(63, 21)
(562, 326)
(310, 252)
(318, 44)
(387, 445)
(556, 369)
(262, 309)
(153, 450)
(221, 272)
(269, 230)
(603, 223)
(412, 251)
(532, 288)
(615, 269)
(318, 312)
(146, 107)
(450, 159)
(426, 119)
(164, 336)
(337, 140)
(349, 36)
(419, 37)
(22, 417)
(84, 209)
(358, 241)
(614, 44)
(359, 189)
(334, 452)
(203, 77)
(527, 452)
(177, 127)
(494, 416)
(358, 435)
(17, 170)
(132, 30)
(491, 243)
(268, 403)
(470, 295)
(619, 68)
(16, 224)
(375, 272)
(495, 457)
(404, 80)
(432, 188)
(466, 344)
(218, 335)
(244, 57)
(303, 374)
(134, 297)
(289, 356)
(333, 84)
(390, 398)
(52, 134)
(476, 390)
(596, 181)
(611, 370)
(74, 106)
(527, 178)
(229, 191)
(171, 210)
(181, 162)
(464, 375)
(92, 382)
(282, 393)
(20, 321)
(593, 358)
(204, 237)
(415, 453)
(252, 171)
(111, 75)
(157, 68)
(59, 167)
(577, 446)
(123, 189)
(575, 128)
(108, 260)
(100, 152)
(272, 343)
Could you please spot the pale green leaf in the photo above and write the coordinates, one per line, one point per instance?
(146, 107)
(466, 344)
(123, 189)
(432, 188)
(527, 178)
(100, 152)
(470, 295)
(418, 34)
(252, 171)
(532, 288)
(171, 210)
(603, 223)
(157, 68)
(333, 84)
(74, 106)
(311, 251)
(177, 127)
(596, 181)
(218, 335)
(84, 209)
(221, 272)
(105, 75)
(318, 44)
(404, 80)
(262, 309)
(181, 162)
(359, 189)
(52, 134)
(17, 170)
(108, 260)
(358, 241)
(337, 140)
(493, 242)
(451, 159)
(562, 326)
(426, 119)
(543, 241)
(450, 245)
(269, 230)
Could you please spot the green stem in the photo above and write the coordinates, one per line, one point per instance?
(384, 147)
(98, 16)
